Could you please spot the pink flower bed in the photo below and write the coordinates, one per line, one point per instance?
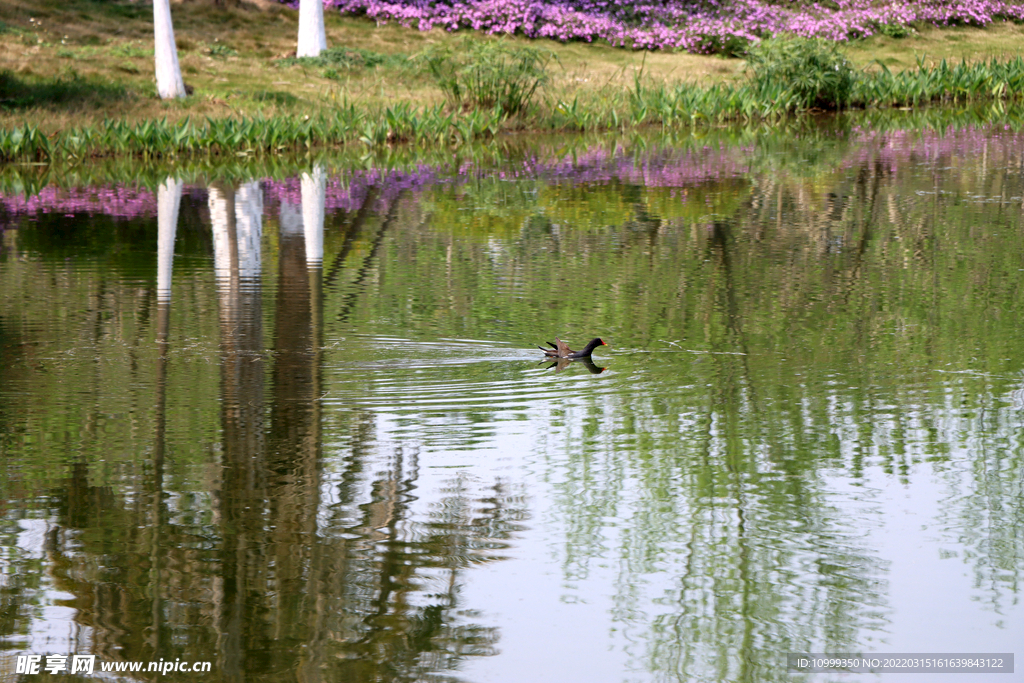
(120, 201)
(668, 24)
(667, 168)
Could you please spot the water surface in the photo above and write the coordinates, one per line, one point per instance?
(298, 427)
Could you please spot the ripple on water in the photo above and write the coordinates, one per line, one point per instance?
(464, 382)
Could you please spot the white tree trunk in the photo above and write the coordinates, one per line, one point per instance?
(312, 38)
(237, 219)
(168, 73)
(249, 222)
(167, 203)
(314, 194)
(225, 241)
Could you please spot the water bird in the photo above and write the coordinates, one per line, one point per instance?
(560, 349)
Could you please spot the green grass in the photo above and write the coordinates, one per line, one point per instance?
(80, 64)
(348, 58)
(345, 123)
(69, 89)
(131, 50)
(942, 83)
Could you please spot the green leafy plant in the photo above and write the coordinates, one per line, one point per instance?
(131, 51)
(942, 82)
(488, 74)
(221, 50)
(895, 30)
(726, 45)
(808, 72)
(341, 58)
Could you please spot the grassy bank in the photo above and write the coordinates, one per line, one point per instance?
(71, 67)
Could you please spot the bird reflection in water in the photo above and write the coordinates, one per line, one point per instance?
(563, 363)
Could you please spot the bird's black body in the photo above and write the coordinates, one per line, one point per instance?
(561, 350)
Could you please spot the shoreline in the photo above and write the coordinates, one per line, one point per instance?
(90, 94)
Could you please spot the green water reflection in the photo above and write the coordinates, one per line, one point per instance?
(320, 445)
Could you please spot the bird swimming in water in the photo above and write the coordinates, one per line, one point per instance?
(561, 350)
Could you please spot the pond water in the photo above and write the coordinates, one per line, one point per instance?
(298, 427)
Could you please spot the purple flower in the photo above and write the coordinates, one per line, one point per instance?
(672, 24)
(667, 167)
